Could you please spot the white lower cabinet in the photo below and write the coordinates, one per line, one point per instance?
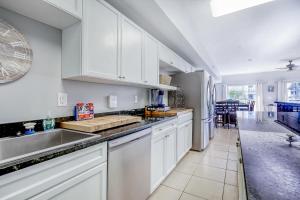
(163, 152)
(184, 138)
(189, 136)
(92, 182)
(170, 151)
(157, 161)
(78, 175)
(181, 132)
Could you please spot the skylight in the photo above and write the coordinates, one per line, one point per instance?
(223, 7)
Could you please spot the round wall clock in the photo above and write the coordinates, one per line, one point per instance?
(15, 53)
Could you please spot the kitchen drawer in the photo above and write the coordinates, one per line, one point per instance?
(158, 129)
(30, 181)
(185, 117)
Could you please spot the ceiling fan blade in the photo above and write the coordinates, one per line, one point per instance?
(281, 68)
(288, 59)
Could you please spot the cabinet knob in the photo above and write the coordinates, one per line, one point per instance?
(237, 144)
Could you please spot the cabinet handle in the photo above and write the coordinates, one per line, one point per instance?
(241, 161)
(145, 81)
(237, 144)
(122, 77)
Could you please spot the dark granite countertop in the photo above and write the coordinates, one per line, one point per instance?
(105, 135)
(271, 167)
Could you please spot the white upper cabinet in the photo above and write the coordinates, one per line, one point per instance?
(57, 13)
(131, 52)
(100, 40)
(107, 47)
(73, 7)
(151, 63)
(165, 54)
(172, 59)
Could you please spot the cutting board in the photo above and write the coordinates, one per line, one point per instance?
(100, 123)
(170, 113)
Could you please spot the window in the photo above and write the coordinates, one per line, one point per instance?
(293, 91)
(243, 93)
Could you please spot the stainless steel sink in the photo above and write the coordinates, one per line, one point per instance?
(20, 147)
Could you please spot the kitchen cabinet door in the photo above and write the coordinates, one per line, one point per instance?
(188, 135)
(101, 36)
(170, 151)
(165, 54)
(151, 63)
(73, 7)
(157, 162)
(92, 182)
(181, 147)
(131, 52)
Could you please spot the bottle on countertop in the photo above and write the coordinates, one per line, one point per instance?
(49, 122)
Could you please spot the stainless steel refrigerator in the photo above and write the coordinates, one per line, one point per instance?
(197, 89)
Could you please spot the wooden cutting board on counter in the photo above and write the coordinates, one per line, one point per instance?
(100, 123)
(169, 113)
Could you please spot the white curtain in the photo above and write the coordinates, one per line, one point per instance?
(224, 92)
(259, 103)
(282, 90)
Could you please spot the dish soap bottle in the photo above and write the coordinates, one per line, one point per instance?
(48, 123)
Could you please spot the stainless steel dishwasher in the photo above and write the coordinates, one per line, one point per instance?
(129, 166)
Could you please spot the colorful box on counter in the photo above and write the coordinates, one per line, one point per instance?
(84, 111)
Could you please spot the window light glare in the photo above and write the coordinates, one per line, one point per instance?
(223, 7)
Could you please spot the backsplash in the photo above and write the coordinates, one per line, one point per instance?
(11, 129)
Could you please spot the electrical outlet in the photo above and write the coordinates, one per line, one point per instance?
(62, 99)
(112, 101)
(135, 99)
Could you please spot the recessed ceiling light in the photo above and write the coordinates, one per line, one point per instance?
(223, 7)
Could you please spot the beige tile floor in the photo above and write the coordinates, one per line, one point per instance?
(207, 175)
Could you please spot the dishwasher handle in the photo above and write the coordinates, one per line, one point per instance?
(128, 138)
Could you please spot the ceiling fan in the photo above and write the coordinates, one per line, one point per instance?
(291, 66)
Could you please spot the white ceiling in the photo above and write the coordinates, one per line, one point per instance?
(247, 41)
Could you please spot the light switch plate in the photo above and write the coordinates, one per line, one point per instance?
(135, 99)
(62, 99)
(112, 101)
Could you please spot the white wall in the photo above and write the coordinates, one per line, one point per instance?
(32, 96)
(267, 78)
